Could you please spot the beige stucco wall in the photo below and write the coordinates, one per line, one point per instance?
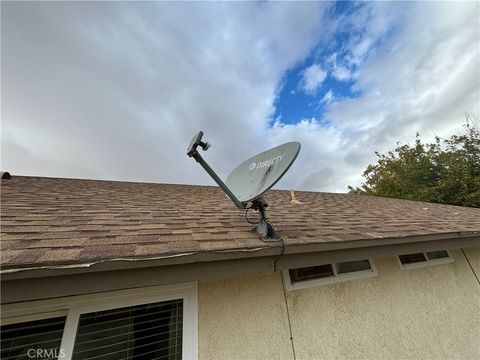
(426, 313)
(473, 256)
(243, 318)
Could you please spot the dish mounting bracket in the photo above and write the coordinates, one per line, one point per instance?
(264, 229)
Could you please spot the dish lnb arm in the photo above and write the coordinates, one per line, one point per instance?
(193, 152)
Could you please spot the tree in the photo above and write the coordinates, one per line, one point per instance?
(446, 171)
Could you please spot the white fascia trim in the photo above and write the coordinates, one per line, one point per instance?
(336, 278)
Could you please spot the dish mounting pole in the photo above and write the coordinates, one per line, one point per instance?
(193, 152)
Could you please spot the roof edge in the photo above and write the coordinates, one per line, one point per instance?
(43, 288)
(197, 257)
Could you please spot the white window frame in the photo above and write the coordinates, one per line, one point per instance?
(354, 275)
(427, 262)
(74, 306)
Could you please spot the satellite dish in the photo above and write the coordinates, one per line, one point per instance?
(251, 179)
(255, 176)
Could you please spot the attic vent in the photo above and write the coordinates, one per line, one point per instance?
(309, 273)
(5, 175)
(415, 260)
(328, 273)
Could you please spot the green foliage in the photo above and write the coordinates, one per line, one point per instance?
(446, 172)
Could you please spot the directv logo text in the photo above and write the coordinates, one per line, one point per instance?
(266, 163)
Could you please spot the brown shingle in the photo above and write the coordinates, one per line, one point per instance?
(59, 255)
(56, 243)
(49, 221)
(155, 249)
(8, 255)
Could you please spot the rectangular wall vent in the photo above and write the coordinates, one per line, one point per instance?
(329, 273)
(422, 259)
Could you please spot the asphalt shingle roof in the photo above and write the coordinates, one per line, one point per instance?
(51, 221)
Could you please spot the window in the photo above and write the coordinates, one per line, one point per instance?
(300, 278)
(150, 331)
(416, 260)
(32, 339)
(149, 323)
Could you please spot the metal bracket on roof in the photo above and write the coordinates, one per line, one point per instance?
(264, 229)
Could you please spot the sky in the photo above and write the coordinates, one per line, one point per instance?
(116, 90)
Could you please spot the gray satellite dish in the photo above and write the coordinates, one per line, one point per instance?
(252, 178)
(258, 174)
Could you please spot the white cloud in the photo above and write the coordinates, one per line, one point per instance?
(423, 79)
(328, 97)
(341, 73)
(359, 48)
(116, 90)
(312, 78)
(121, 87)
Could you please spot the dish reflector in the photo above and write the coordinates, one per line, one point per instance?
(258, 174)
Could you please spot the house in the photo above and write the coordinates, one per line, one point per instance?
(119, 270)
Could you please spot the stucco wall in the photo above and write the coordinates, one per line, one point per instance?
(426, 313)
(243, 318)
(473, 256)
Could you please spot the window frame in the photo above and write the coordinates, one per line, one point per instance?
(427, 262)
(336, 278)
(50, 350)
(74, 306)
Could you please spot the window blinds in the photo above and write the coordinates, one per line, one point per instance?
(150, 331)
(38, 339)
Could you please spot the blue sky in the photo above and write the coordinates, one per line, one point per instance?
(294, 103)
(305, 94)
(116, 90)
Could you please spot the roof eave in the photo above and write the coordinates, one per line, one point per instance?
(451, 239)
